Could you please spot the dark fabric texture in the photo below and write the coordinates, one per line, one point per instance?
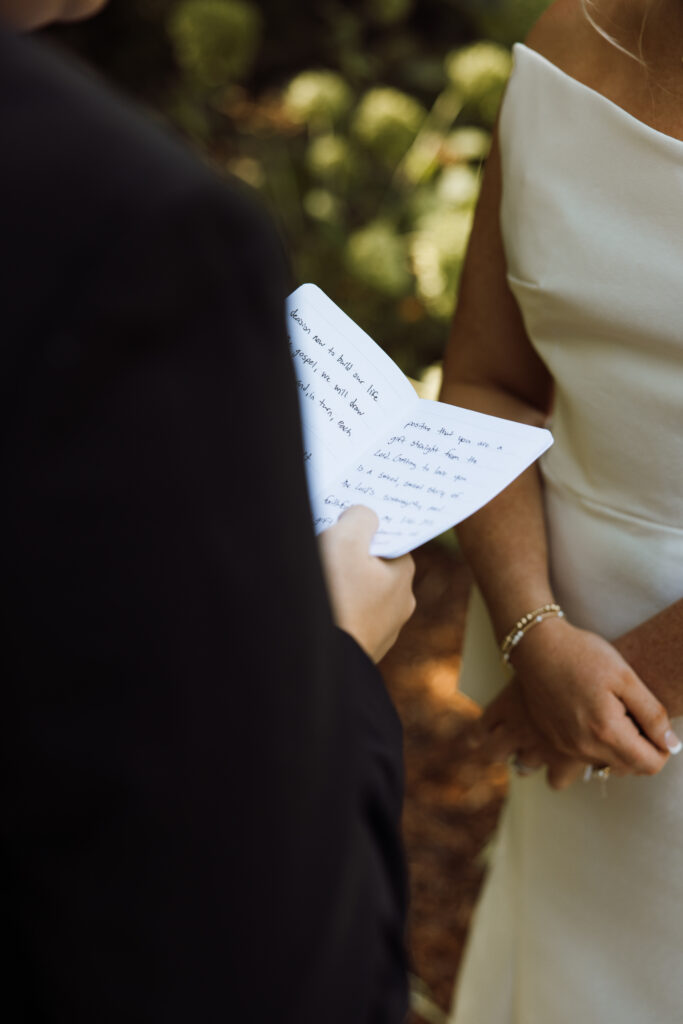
(200, 777)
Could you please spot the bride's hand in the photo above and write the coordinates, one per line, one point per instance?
(505, 730)
(587, 701)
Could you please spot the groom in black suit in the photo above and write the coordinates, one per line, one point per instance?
(200, 779)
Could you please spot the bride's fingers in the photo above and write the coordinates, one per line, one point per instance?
(624, 747)
(493, 717)
(651, 716)
(475, 742)
(500, 743)
(562, 772)
(527, 762)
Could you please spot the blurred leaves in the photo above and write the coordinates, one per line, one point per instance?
(480, 72)
(505, 21)
(318, 98)
(330, 159)
(215, 41)
(386, 122)
(378, 256)
(388, 12)
(363, 124)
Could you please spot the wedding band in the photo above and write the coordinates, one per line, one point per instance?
(600, 773)
(604, 772)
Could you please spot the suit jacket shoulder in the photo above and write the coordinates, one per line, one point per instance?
(196, 764)
(84, 175)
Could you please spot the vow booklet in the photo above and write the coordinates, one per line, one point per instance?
(422, 466)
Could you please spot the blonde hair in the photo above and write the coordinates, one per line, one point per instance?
(590, 6)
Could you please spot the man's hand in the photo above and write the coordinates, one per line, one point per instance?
(371, 598)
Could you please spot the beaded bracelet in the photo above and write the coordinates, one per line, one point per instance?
(523, 625)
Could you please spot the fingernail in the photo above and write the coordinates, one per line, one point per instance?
(673, 743)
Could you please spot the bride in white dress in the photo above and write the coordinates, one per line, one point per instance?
(572, 305)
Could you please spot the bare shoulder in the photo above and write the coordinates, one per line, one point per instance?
(564, 35)
(594, 42)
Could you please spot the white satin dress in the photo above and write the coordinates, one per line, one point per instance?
(581, 918)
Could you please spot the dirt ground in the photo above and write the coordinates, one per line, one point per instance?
(451, 804)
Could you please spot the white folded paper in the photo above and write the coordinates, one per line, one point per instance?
(369, 439)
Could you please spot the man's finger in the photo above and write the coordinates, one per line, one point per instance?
(359, 523)
(401, 572)
(403, 567)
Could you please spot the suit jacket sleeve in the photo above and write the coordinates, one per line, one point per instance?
(200, 774)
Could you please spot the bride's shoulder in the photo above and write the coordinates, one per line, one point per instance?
(564, 35)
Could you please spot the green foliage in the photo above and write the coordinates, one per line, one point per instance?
(378, 256)
(480, 72)
(317, 98)
(508, 21)
(437, 250)
(323, 206)
(386, 122)
(466, 144)
(388, 12)
(215, 41)
(330, 159)
(363, 124)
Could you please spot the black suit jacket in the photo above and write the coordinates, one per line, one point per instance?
(200, 775)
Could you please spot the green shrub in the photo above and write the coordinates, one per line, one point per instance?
(322, 205)
(480, 72)
(318, 98)
(329, 159)
(437, 251)
(386, 122)
(363, 126)
(388, 12)
(508, 21)
(378, 256)
(458, 186)
(470, 144)
(215, 41)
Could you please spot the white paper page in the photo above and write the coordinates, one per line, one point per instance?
(431, 469)
(348, 387)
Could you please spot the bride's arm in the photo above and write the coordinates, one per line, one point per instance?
(490, 366)
(577, 686)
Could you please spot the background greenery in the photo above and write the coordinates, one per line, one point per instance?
(363, 124)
